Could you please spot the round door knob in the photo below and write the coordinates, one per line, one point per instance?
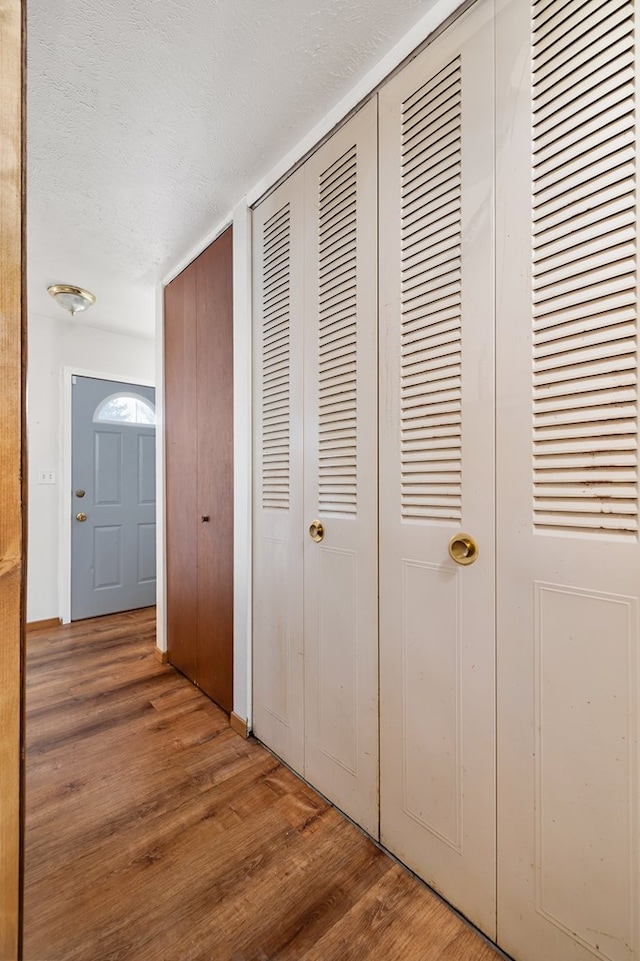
(79, 492)
(81, 516)
(316, 531)
(463, 549)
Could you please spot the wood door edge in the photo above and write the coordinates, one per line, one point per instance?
(13, 473)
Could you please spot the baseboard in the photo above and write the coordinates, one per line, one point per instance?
(162, 656)
(239, 725)
(43, 625)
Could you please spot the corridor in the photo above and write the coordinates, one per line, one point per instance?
(155, 833)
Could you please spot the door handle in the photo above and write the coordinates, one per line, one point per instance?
(79, 493)
(316, 531)
(81, 516)
(463, 549)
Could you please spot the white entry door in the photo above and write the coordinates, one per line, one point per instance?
(437, 623)
(568, 552)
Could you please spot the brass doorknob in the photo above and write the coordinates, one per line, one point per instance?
(81, 516)
(79, 492)
(463, 549)
(316, 531)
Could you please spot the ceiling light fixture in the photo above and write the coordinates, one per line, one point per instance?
(73, 299)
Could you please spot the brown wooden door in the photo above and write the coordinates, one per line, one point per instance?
(214, 386)
(199, 470)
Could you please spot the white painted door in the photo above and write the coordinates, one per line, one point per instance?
(315, 602)
(340, 443)
(568, 553)
(278, 650)
(437, 624)
(113, 497)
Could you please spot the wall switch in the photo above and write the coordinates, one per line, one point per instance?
(46, 477)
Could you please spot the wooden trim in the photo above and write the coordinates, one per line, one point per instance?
(12, 474)
(47, 623)
(239, 725)
(162, 656)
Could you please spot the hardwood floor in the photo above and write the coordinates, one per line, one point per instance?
(155, 833)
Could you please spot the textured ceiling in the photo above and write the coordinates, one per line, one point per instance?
(149, 120)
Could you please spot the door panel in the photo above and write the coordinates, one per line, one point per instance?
(181, 446)
(146, 552)
(336, 645)
(146, 470)
(432, 698)
(568, 556)
(199, 436)
(107, 557)
(340, 444)
(214, 399)
(278, 685)
(106, 466)
(437, 642)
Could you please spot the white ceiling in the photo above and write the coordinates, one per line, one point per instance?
(148, 120)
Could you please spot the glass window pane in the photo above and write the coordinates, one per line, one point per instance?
(125, 409)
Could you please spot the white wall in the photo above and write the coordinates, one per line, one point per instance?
(53, 345)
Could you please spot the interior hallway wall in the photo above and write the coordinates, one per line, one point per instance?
(53, 345)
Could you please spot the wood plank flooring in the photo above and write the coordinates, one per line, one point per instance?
(155, 833)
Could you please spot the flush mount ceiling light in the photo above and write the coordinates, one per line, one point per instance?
(73, 299)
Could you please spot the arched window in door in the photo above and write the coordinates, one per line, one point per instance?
(129, 408)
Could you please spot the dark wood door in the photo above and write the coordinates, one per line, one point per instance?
(199, 470)
(214, 387)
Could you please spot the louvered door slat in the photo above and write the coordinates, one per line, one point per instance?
(551, 91)
(337, 344)
(580, 30)
(431, 284)
(564, 342)
(276, 360)
(552, 86)
(584, 276)
(591, 198)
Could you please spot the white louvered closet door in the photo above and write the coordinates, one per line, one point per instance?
(278, 685)
(437, 630)
(569, 557)
(341, 571)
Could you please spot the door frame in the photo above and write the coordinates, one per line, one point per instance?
(13, 492)
(64, 555)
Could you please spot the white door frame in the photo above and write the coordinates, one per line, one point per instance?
(64, 556)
